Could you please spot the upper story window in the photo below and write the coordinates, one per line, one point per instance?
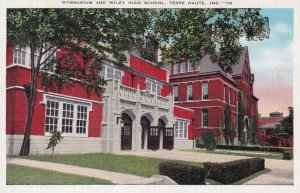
(153, 87)
(175, 93)
(190, 66)
(204, 91)
(181, 129)
(19, 55)
(182, 67)
(109, 72)
(189, 92)
(204, 118)
(35, 57)
(176, 68)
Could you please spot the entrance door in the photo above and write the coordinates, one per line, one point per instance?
(126, 133)
(145, 123)
(168, 138)
(153, 138)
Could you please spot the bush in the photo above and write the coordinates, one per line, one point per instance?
(229, 172)
(182, 173)
(254, 148)
(288, 154)
(199, 142)
(209, 141)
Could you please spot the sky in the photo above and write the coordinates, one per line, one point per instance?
(271, 61)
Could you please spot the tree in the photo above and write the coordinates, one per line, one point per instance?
(194, 33)
(209, 141)
(96, 33)
(286, 128)
(54, 140)
(241, 123)
(227, 124)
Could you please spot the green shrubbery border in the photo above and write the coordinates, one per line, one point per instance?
(229, 172)
(183, 173)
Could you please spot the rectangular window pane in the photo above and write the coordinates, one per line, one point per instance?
(205, 90)
(190, 66)
(19, 55)
(175, 93)
(183, 67)
(67, 121)
(205, 118)
(51, 118)
(176, 69)
(190, 92)
(81, 119)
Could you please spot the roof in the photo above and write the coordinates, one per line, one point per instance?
(237, 68)
(269, 126)
(208, 66)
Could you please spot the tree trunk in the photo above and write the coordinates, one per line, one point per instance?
(25, 149)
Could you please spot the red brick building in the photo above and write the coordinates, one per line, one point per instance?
(207, 89)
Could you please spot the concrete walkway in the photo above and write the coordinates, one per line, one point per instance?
(282, 171)
(114, 177)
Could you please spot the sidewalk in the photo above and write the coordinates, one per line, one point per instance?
(114, 177)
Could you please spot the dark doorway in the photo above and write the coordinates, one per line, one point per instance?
(153, 138)
(145, 123)
(126, 133)
(168, 135)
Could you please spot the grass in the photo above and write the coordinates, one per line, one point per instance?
(278, 156)
(242, 181)
(20, 175)
(140, 166)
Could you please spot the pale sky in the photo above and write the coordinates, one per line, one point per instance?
(271, 62)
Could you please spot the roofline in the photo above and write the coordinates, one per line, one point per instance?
(255, 97)
(203, 74)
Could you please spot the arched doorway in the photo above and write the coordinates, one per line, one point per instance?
(168, 137)
(126, 133)
(246, 128)
(145, 123)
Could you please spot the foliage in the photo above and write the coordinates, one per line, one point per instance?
(286, 127)
(227, 122)
(199, 142)
(241, 136)
(20, 175)
(229, 172)
(54, 140)
(194, 33)
(288, 154)
(232, 134)
(183, 173)
(209, 141)
(253, 148)
(94, 33)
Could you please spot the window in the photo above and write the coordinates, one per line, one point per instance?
(181, 129)
(67, 120)
(81, 119)
(51, 115)
(190, 66)
(263, 132)
(102, 72)
(224, 92)
(19, 55)
(153, 87)
(204, 118)
(190, 92)
(110, 72)
(118, 74)
(69, 117)
(205, 91)
(175, 93)
(183, 67)
(176, 69)
(229, 95)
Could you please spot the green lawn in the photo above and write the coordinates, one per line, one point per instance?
(20, 175)
(267, 156)
(140, 166)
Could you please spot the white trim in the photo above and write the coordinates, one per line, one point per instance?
(17, 65)
(182, 119)
(205, 100)
(183, 108)
(15, 87)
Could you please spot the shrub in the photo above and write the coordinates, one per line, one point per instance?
(287, 154)
(229, 172)
(254, 148)
(182, 173)
(209, 141)
(199, 142)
